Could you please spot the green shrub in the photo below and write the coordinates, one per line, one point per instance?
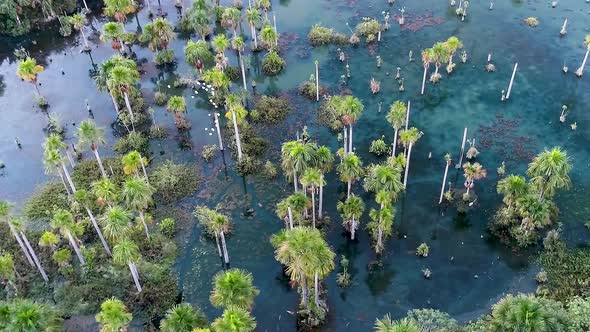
(62, 257)
(160, 98)
(167, 227)
(320, 35)
(423, 250)
(164, 57)
(135, 141)
(248, 165)
(87, 171)
(209, 152)
(568, 272)
(174, 181)
(329, 114)
(578, 311)
(433, 320)
(379, 147)
(368, 28)
(272, 109)
(233, 73)
(45, 200)
(272, 63)
(269, 171)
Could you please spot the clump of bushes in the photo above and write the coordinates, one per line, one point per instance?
(423, 250)
(567, 271)
(87, 171)
(308, 88)
(330, 113)
(271, 110)
(164, 57)
(269, 171)
(174, 181)
(45, 200)
(167, 227)
(160, 98)
(248, 165)
(233, 73)
(379, 147)
(321, 35)
(368, 28)
(135, 141)
(272, 63)
(531, 21)
(209, 152)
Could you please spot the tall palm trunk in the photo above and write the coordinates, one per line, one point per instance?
(115, 103)
(424, 79)
(86, 5)
(345, 140)
(224, 247)
(143, 169)
(407, 165)
(218, 246)
(128, 104)
(67, 174)
(352, 228)
(394, 142)
(304, 189)
(253, 29)
(451, 59)
(436, 67)
(304, 291)
(313, 206)
(290, 217)
(70, 159)
(135, 275)
(98, 231)
(348, 189)
(97, 155)
(295, 179)
(379, 238)
(316, 288)
(469, 183)
(580, 70)
(63, 180)
(21, 244)
(442, 189)
(75, 246)
(321, 203)
(238, 143)
(145, 227)
(35, 258)
(350, 139)
(243, 70)
(84, 38)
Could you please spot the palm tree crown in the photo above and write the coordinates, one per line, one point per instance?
(233, 288)
(113, 316)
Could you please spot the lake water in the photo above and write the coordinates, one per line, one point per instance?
(470, 270)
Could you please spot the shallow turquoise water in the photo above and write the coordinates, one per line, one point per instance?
(480, 270)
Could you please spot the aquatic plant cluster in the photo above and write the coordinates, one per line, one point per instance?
(99, 240)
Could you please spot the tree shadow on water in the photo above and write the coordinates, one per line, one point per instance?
(379, 277)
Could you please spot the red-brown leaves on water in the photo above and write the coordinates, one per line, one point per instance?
(503, 136)
(418, 22)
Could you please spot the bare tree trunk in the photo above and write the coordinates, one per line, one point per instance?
(35, 258)
(313, 205)
(295, 179)
(317, 81)
(64, 182)
(67, 174)
(115, 103)
(145, 227)
(84, 38)
(316, 288)
(95, 151)
(224, 247)
(238, 143)
(350, 139)
(135, 275)
(21, 244)
(75, 246)
(98, 231)
(394, 142)
(70, 159)
(290, 217)
(128, 104)
(218, 246)
(352, 229)
(243, 70)
(424, 80)
(321, 203)
(407, 165)
(345, 139)
(349, 186)
(580, 70)
(442, 189)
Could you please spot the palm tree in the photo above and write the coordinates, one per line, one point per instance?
(385, 178)
(105, 191)
(114, 32)
(306, 255)
(54, 163)
(19, 226)
(217, 225)
(386, 324)
(269, 37)
(28, 70)
(253, 17)
(119, 9)
(473, 172)
(549, 171)
(381, 220)
(137, 195)
(91, 136)
(231, 18)
(296, 156)
(177, 105)
(408, 138)
(113, 316)
(452, 44)
(311, 180)
(238, 45)
(220, 43)
(84, 198)
(350, 169)
(447, 164)
(121, 81)
(64, 222)
(132, 161)
(350, 109)
(197, 53)
(126, 252)
(512, 187)
(234, 320)
(427, 58)
(217, 78)
(580, 70)
(265, 6)
(233, 288)
(115, 222)
(78, 21)
(527, 313)
(183, 317)
(440, 53)
(102, 78)
(397, 118)
(26, 315)
(5, 214)
(158, 34)
(200, 21)
(293, 207)
(325, 163)
(351, 211)
(236, 114)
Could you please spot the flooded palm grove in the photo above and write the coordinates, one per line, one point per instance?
(462, 269)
